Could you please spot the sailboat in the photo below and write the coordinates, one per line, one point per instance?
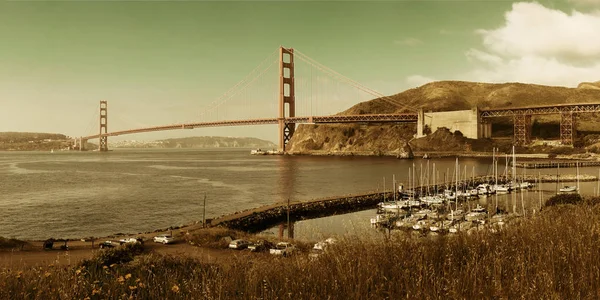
(571, 188)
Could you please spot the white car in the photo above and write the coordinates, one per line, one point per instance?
(131, 241)
(164, 238)
(283, 248)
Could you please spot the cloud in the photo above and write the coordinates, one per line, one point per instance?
(411, 42)
(417, 80)
(540, 45)
(445, 32)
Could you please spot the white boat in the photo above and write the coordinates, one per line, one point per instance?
(432, 200)
(257, 152)
(568, 189)
(502, 189)
(455, 215)
(476, 214)
(423, 213)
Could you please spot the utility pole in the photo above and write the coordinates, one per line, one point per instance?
(288, 217)
(204, 212)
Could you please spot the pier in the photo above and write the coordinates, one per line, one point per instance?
(556, 164)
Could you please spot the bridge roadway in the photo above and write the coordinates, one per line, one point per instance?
(367, 118)
(372, 118)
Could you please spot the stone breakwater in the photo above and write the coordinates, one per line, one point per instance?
(262, 218)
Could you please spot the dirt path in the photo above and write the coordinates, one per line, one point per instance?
(33, 253)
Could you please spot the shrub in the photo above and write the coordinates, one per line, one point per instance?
(122, 254)
(214, 237)
(564, 199)
(11, 243)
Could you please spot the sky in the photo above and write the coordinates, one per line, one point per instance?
(164, 62)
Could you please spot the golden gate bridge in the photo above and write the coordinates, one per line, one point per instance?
(299, 101)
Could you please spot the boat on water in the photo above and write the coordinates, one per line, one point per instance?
(476, 214)
(455, 214)
(257, 152)
(568, 189)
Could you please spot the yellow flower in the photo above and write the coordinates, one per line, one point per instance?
(132, 287)
(47, 274)
(127, 276)
(96, 292)
(104, 267)
(175, 289)
(113, 265)
(121, 279)
(142, 285)
(78, 272)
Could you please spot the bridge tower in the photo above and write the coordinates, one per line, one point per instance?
(286, 96)
(567, 126)
(522, 129)
(103, 144)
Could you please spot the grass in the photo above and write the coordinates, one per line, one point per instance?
(550, 255)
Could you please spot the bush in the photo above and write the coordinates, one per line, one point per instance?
(564, 199)
(214, 237)
(11, 243)
(119, 255)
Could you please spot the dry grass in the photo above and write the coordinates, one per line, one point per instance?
(551, 255)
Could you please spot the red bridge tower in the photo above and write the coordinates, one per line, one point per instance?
(286, 96)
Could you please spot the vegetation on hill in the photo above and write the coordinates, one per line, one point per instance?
(199, 142)
(550, 255)
(33, 141)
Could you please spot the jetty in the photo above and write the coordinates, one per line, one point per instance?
(556, 164)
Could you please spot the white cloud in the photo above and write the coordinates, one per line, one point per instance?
(539, 45)
(418, 80)
(411, 42)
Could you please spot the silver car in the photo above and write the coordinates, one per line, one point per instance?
(164, 238)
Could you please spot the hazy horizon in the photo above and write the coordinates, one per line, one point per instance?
(160, 63)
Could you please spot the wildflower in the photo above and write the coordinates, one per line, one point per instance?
(121, 279)
(104, 267)
(138, 280)
(47, 274)
(142, 285)
(175, 289)
(78, 271)
(19, 274)
(128, 276)
(96, 292)
(113, 265)
(132, 287)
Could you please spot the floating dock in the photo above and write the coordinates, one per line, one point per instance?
(556, 164)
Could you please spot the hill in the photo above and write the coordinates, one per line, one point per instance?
(198, 142)
(462, 95)
(31, 141)
(446, 96)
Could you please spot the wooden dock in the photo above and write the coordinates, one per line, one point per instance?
(556, 164)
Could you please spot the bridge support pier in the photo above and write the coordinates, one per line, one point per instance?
(567, 127)
(103, 139)
(522, 129)
(286, 96)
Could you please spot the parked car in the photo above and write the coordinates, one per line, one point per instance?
(260, 246)
(107, 244)
(131, 241)
(164, 238)
(239, 244)
(283, 249)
